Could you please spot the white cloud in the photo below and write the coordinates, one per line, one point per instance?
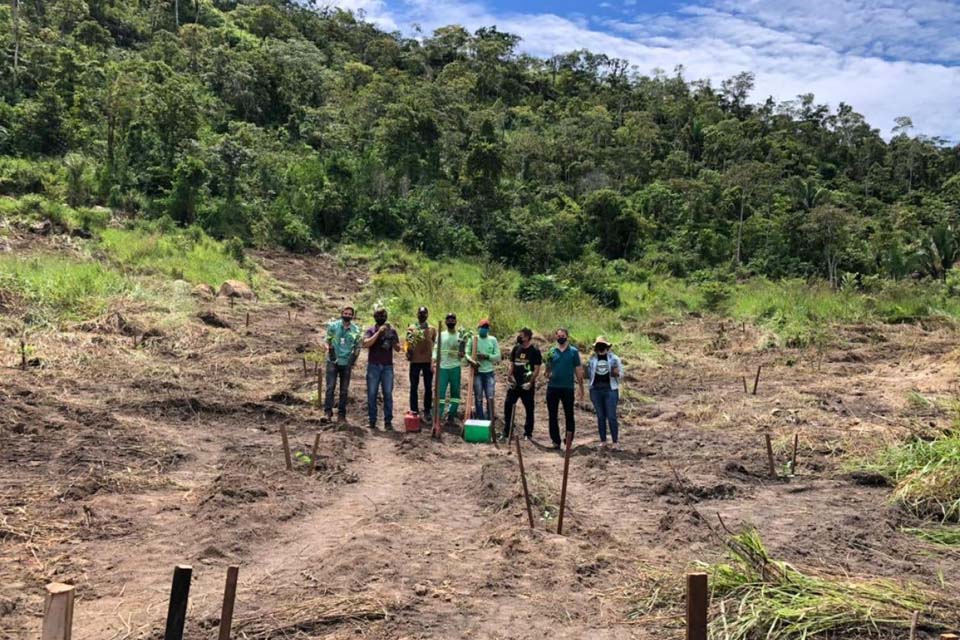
(884, 57)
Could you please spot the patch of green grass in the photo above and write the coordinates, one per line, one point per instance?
(404, 281)
(945, 536)
(53, 287)
(760, 597)
(926, 475)
(188, 255)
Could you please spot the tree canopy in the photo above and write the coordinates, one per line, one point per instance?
(278, 123)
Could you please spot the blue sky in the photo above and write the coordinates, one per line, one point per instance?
(887, 58)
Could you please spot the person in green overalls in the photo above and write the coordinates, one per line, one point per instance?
(451, 354)
(485, 380)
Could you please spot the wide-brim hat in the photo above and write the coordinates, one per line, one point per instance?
(601, 340)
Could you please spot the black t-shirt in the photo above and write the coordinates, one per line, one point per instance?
(521, 359)
(601, 377)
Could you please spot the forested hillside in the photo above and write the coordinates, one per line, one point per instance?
(280, 124)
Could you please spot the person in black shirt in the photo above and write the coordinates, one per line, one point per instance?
(523, 371)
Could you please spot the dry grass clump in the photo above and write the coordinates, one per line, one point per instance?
(759, 597)
(309, 615)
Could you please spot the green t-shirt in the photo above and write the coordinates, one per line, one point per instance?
(562, 366)
(490, 347)
(343, 339)
(449, 350)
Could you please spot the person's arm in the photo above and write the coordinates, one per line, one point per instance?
(435, 355)
(468, 352)
(535, 376)
(372, 340)
(496, 356)
(396, 342)
(615, 370)
(578, 372)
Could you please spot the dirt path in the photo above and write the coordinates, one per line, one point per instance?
(170, 453)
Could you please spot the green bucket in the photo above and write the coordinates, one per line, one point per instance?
(476, 430)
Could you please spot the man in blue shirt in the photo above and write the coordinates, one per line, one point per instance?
(564, 370)
(343, 346)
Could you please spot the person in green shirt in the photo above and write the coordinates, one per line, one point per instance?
(485, 379)
(451, 353)
(343, 346)
(563, 371)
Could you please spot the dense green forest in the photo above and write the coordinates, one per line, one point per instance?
(277, 123)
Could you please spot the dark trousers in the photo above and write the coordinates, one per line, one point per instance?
(418, 369)
(554, 398)
(334, 371)
(510, 405)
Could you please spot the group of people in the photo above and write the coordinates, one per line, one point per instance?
(447, 354)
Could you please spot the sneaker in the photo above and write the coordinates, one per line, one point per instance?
(388, 427)
(556, 445)
(603, 444)
(342, 418)
(373, 426)
(528, 438)
(503, 437)
(616, 446)
(327, 417)
(427, 418)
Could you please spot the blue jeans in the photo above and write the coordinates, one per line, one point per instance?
(484, 386)
(605, 403)
(380, 376)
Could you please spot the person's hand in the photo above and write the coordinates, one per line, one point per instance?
(526, 386)
(580, 394)
(433, 367)
(511, 383)
(482, 356)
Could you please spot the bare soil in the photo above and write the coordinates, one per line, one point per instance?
(121, 461)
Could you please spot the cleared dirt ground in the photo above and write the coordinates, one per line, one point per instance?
(119, 462)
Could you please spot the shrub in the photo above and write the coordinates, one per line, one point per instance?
(540, 287)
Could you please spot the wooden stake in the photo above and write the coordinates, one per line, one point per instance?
(563, 488)
(288, 314)
(773, 470)
(468, 410)
(286, 447)
(179, 595)
(745, 390)
(231, 302)
(697, 603)
(793, 457)
(313, 456)
(58, 612)
(229, 597)
(248, 319)
(523, 473)
(304, 358)
(319, 387)
(913, 625)
(436, 387)
(756, 381)
(23, 354)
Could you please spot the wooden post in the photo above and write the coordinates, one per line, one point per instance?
(436, 386)
(23, 354)
(231, 302)
(248, 319)
(319, 387)
(913, 625)
(563, 488)
(313, 456)
(304, 358)
(793, 457)
(468, 410)
(773, 470)
(697, 602)
(58, 612)
(523, 473)
(286, 447)
(179, 595)
(229, 597)
(756, 381)
(744, 379)
(288, 315)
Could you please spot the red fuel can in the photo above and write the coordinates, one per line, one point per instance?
(411, 422)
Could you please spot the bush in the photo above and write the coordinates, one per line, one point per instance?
(540, 287)
(19, 176)
(715, 295)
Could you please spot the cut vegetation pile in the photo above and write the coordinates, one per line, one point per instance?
(926, 474)
(764, 598)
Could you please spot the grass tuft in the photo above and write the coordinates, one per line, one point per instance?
(760, 597)
(926, 475)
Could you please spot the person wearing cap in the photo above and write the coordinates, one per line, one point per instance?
(603, 372)
(485, 380)
(343, 345)
(448, 368)
(420, 340)
(563, 371)
(522, 373)
(380, 341)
